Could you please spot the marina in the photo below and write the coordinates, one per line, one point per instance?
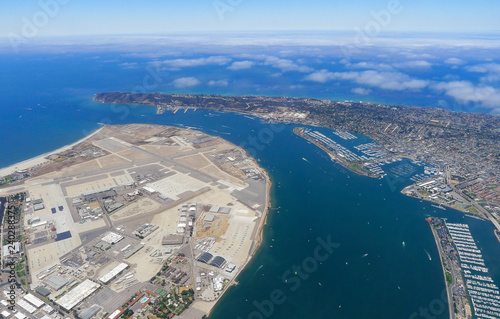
(483, 292)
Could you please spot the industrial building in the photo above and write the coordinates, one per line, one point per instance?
(89, 312)
(26, 306)
(48, 309)
(204, 257)
(77, 294)
(209, 218)
(102, 245)
(56, 282)
(11, 248)
(218, 262)
(172, 240)
(214, 209)
(38, 207)
(44, 292)
(113, 273)
(34, 300)
(133, 251)
(20, 315)
(112, 238)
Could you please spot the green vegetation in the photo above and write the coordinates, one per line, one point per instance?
(355, 166)
(449, 278)
(127, 314)
(161, 292)
(472, 209)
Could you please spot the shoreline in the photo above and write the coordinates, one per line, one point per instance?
(259, 234)
(41, 159)
(259, 238)
(441, 261)
(299, 132)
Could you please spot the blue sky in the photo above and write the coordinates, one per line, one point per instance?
(158, 17)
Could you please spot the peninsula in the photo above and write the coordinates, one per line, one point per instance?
(134, 219)
(463, 148)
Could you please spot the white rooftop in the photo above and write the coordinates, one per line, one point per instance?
(113, 272)
(112, 238)
(114, 314)
(34, 300)
(14, 248)
(77, 294)
(26, 306)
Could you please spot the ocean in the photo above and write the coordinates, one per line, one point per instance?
(382, 261)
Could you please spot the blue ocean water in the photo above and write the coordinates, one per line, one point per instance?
(47, 103)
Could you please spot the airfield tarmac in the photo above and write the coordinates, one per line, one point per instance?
(150, 173)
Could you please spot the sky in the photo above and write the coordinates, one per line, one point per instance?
(113, 17)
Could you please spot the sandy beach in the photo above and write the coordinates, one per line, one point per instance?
(41, 158)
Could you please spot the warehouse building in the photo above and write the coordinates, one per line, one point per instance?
(43, 291)
(209, 218)
(77, 294)
(214, 209)
(133, 251)
(113, 273)
(172, 240)
(34, 300)
(56, 282)
(112, 238)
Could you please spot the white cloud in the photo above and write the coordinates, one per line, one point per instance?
(218, 83)
(413, 64)
(321, 76)
(395, 81)
(454, 61)
(371, 65)
(491, 77)
(240, 65)
(485, 68)
(128, 65)
(465, 92)
(361, 91)
(286, 65)
(492, 71)
(183, 63)
(185, 82)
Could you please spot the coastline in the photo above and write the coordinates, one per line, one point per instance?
(336, 159)
(205, 306)
(441, 259)
(259, 238)
(41, 159)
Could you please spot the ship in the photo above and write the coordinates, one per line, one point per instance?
(440, 207)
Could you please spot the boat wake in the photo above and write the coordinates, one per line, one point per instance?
(428, 255)
(257, 271)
